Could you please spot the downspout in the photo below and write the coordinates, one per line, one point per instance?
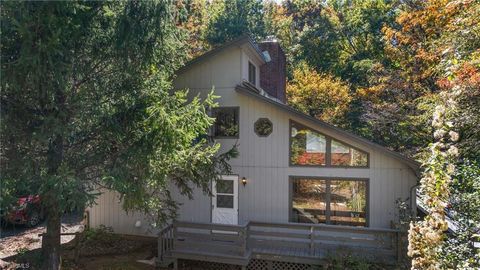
(413, 196)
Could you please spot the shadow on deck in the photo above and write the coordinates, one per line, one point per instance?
(285, 242)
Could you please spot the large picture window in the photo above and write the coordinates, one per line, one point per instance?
(226, 122)
(311, 148)
(339, 201)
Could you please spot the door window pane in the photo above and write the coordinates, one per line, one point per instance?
(225, 186)
(344, 155)
(307, 147)
(225, 201)
(309, 201)
(348, 202)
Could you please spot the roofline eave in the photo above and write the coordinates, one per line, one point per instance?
(244, 39)
(414, 165)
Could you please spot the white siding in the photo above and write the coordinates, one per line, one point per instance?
(108, 211)
(220, 72)
(264, 160)
(246, 58)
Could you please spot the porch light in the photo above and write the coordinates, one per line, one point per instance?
(244, 181)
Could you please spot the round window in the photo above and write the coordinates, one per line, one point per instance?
(263, 127)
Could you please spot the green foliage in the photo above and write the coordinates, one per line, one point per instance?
(394, 117)
(27, 259)
(9, 191)
(458, 251)
(102, 234)
(54, 82)
(234, 18)
(279, 24)
(455, 70)
(22, 251)
(86, 104)
(351, 262)
(345, 38)
(318, 95)
(426, 236)
(193, 19)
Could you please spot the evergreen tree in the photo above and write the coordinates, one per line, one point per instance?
(85, 103)
(234, 18)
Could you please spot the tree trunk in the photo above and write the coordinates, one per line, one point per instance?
(51, 239)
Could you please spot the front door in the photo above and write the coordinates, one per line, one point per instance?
(225, 200)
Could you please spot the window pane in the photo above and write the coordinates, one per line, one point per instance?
(348, 202)
(226, 122)
(307, 146)
(224, 186)
(309, 201)
(344, 155)
(225, 201)
(251, 73)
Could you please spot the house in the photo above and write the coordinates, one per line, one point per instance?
(301, 189)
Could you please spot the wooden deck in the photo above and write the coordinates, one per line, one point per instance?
(289, 242)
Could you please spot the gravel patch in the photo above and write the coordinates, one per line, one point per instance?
(15, 239)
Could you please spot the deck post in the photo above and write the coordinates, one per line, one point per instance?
(160, 247)
(175, 264)
(244, 238)
(174, 236)
(168, 240)
(312, 240)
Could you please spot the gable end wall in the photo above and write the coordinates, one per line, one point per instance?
(264, 160)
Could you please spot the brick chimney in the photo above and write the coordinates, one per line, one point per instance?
(273, 74)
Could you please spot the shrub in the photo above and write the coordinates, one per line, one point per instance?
(102, 234)
(350, 262)
(458, 251)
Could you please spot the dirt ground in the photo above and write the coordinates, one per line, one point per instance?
(18, 239)
(102, 262)
(20, 248)
(114, 262)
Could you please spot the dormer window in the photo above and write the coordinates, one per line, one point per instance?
(252, 73)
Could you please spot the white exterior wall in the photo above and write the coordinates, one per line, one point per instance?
(108, 211)
(245, 59)
(264, 161)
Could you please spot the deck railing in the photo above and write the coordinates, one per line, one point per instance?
(223, 239)
(321, 240)
(165, 242)
(310, 241)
